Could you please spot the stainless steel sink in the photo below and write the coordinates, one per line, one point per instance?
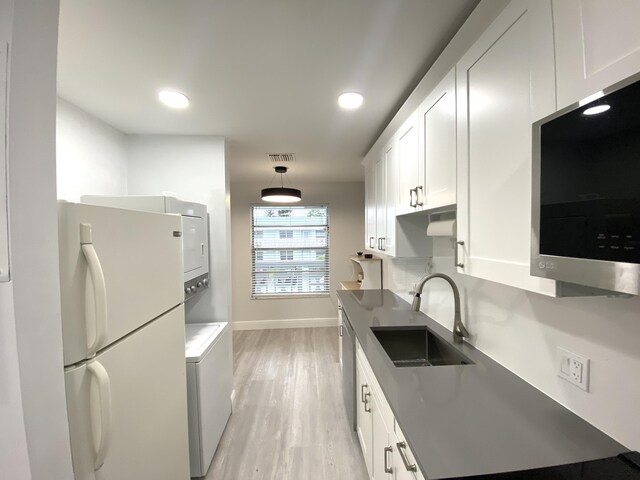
(417, 347)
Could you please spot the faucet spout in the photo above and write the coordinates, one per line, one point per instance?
(459, 330)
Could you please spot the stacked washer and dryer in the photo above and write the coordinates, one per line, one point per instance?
(208, 346)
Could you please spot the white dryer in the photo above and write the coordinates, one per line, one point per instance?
(209, 385)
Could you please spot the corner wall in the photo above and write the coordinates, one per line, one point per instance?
(346, 233)
(195, 169)
(91, 156)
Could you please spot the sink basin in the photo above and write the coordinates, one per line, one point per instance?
(417, 347)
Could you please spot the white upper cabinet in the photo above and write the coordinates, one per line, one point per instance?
(410, 168)
(370, 205)
(504, 83)
(381, 177)
(597, 44)
(438, 144)
(391, 198)
(381, 195)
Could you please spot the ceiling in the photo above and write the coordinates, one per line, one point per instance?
(263, 73)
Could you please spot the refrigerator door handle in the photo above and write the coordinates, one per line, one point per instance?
(99, 288)
(104, 388)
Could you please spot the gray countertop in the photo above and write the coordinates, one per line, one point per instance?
(468, 419)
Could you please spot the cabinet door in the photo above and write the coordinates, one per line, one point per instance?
(381, 445)
(381, 206)
(400, 450)
(438, 143)
(4, 214)
(409, 171)
(364, 420)
(370, 206)
(505, 81)
(597, 44)
(390, 200)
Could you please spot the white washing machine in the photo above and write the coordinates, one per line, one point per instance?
(209, 385)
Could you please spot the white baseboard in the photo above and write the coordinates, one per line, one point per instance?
(286, 323)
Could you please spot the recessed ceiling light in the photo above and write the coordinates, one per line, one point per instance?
(173, 98)
(597, 109)
(350, 100)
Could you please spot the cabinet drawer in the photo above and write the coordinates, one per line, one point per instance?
(400, 449)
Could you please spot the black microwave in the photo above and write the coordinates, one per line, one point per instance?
(586, 191)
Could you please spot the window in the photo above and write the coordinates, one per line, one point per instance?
(289, 250)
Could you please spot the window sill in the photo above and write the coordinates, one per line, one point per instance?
(289, 297)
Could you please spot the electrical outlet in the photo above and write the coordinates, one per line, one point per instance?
(573, 368)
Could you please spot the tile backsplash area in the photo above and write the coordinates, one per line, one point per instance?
(522, 331)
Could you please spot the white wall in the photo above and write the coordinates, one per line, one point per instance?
(91, 155)
(195, 169)
(34, 253)
(346, 231)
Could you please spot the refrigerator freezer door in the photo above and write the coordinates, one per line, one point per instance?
(132, 409)
(141, 260)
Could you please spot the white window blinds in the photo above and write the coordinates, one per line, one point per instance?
(289, 250)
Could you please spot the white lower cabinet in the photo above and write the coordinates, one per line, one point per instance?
(383, 443)
(404, 463)
(364, 419)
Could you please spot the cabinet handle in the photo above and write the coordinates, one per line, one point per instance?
(459, 243)
(413, 191)
(366, 402)
(340, 330)
(371, 239)
(387, 468)
(362, 387)
(382, 241)
(419, 196)
(411, 467)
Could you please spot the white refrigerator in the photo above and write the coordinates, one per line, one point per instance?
(123, 333)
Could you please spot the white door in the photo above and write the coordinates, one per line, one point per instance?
(370, 205)
(381, 444)
(439, 143)
(597, 44)
(381, 206)
(128, 272)
(195, 240)
(364, 425)
(390, 199)
(409, 171)
(505, 82)
(127, 407)
(4, 217)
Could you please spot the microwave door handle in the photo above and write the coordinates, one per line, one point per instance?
(99, 289)
(104, 392)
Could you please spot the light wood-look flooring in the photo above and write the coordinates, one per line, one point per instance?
(289, 420)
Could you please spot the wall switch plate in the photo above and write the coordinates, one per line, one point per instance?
(573, 368)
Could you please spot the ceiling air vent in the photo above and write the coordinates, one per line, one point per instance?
(282, 157)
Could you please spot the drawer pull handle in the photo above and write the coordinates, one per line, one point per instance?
(411, 467)
(366, 402)
(459, 264)
(387, 468)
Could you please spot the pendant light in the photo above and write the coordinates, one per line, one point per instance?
(281, 194)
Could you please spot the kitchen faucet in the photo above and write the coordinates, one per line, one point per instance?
(459, 330)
